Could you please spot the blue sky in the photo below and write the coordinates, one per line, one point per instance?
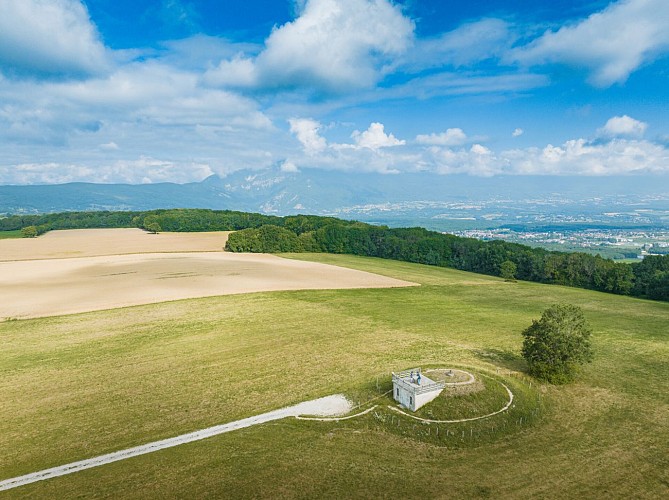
(177, 90)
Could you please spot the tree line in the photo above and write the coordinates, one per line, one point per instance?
(648, 278)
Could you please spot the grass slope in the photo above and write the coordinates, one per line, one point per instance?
(78, 386)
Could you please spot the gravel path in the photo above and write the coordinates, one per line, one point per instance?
(330, 406)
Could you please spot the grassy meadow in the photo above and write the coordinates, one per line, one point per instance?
(73, 387)
(5, 235)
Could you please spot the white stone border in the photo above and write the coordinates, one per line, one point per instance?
(506, 407)
(335, 419)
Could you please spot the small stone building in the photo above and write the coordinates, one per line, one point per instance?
(412, 389)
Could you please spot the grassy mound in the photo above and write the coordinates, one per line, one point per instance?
(462, 416)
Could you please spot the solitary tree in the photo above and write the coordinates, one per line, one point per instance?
(151, 224)
(29, 232)
(507, 270)
(557, 344)
(153, 227)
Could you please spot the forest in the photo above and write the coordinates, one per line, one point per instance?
(648, 278)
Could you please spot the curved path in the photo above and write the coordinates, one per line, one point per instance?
(336, 419)
(328, 406)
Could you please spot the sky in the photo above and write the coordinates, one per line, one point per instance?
(139, 91)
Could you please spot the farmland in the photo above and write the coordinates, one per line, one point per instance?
(81, 385)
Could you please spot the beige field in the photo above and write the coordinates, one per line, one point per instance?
(94, 242)
(104, 280)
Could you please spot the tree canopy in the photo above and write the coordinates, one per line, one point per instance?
(556, 345)
(310, 233)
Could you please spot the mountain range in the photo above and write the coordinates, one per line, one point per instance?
(364, 196)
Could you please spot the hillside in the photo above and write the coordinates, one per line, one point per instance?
(77, 386)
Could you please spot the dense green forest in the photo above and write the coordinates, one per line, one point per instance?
(648, 278)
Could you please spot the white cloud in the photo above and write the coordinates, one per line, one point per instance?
(467, 44)
(307, 132)
(289, 167)
(237, 72)
(334, 45)
(517, 132)
(153, 108)
(461, 83)
(623, 126)
(581, 157)
(370, 152)
(147, 94)
(109, 146)
(54, 37)
(366, 153)
(138, 171)
(574, 157)
(611, 44)
(200, 52)
(452, 137)
(375, 138)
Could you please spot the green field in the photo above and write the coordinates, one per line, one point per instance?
(5, 235)
(74, 387)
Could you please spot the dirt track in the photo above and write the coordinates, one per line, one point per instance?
(49, 287)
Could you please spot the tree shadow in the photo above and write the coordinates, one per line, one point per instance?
(504, 359)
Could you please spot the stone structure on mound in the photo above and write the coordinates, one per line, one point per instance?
(412, 389)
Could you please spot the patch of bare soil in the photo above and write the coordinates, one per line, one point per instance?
(37, 288)
(95, 242)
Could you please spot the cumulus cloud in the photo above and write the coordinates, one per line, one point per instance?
(517, 132)
(611, 43)
(375, 138)
(367, 152)
(452, 137)
(447, 153)
(50, 37)
(623, 126)
(582, 157)
(333, 45)
(573, 157)
(307, 132)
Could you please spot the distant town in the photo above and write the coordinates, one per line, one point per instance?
(617, 227)
(612, 243)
